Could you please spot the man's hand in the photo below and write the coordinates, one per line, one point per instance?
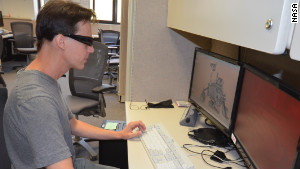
(128, 132)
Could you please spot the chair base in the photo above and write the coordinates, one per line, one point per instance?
(82, 142)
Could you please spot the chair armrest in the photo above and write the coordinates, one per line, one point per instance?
(112, 54)
(103, 88)
(85, 78)
(27, 50)
(11, 40)
(109, 43)
(113, 46)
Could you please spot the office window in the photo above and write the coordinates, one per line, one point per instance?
(104, 9)
(107, 11)
(119, 12)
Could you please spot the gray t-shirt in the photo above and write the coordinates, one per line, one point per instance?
(36, 122)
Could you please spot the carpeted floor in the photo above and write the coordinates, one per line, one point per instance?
(115, 110)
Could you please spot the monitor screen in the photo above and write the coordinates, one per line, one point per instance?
(1, 19)
(267, 126)
(213, 87)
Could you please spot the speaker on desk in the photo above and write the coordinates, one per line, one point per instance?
(189, 117)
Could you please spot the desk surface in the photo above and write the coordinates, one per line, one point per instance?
(137, 156)
(10, 35)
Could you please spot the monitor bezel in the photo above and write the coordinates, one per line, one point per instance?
(218, 125)
(293, 92)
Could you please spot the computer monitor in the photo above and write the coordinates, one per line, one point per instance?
(267, 126)
(1, 20)
(213, 88)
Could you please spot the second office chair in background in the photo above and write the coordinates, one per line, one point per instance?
(111, 39)
(23, 41)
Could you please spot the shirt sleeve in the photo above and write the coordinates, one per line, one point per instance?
(42, 125)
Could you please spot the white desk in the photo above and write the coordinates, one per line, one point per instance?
(10, 35)
(137, 156)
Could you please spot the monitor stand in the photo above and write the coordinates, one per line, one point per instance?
(210, 136)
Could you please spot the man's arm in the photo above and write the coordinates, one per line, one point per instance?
(83, 129)
(65, 164)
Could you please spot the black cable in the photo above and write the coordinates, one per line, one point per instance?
(233, 161)
(202, 153)
(224, 160)
(184, 146)
(229, 148)
(233, 148)
(237, 164)
(206, 161)
(210, 125)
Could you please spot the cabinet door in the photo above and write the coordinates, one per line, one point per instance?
(239, 22)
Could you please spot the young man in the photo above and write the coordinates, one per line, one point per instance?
(37, 122)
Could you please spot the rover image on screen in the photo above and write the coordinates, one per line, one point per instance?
(213, 86)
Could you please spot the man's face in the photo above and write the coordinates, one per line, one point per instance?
(77, 53)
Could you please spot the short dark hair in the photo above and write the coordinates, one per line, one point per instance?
(60, 17)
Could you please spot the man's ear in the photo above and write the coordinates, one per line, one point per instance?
(60, 41)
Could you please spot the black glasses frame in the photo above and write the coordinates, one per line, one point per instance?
(83, 39)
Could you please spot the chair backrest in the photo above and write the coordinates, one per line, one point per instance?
(100, 39)
(23, 34)
(4, 159)
(81, 82)
(109, 37)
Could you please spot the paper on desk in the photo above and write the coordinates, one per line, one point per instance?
(111, 126)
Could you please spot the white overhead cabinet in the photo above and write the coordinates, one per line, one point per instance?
(263, 25)
(295, 44)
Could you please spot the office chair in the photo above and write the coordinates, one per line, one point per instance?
(113, 69)
(111, 38)
(23, 39)
(87, 90)
(4, 158)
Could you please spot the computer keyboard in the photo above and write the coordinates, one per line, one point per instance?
(163, 151)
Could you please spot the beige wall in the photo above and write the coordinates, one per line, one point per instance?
(18, 8)
(95, 27)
